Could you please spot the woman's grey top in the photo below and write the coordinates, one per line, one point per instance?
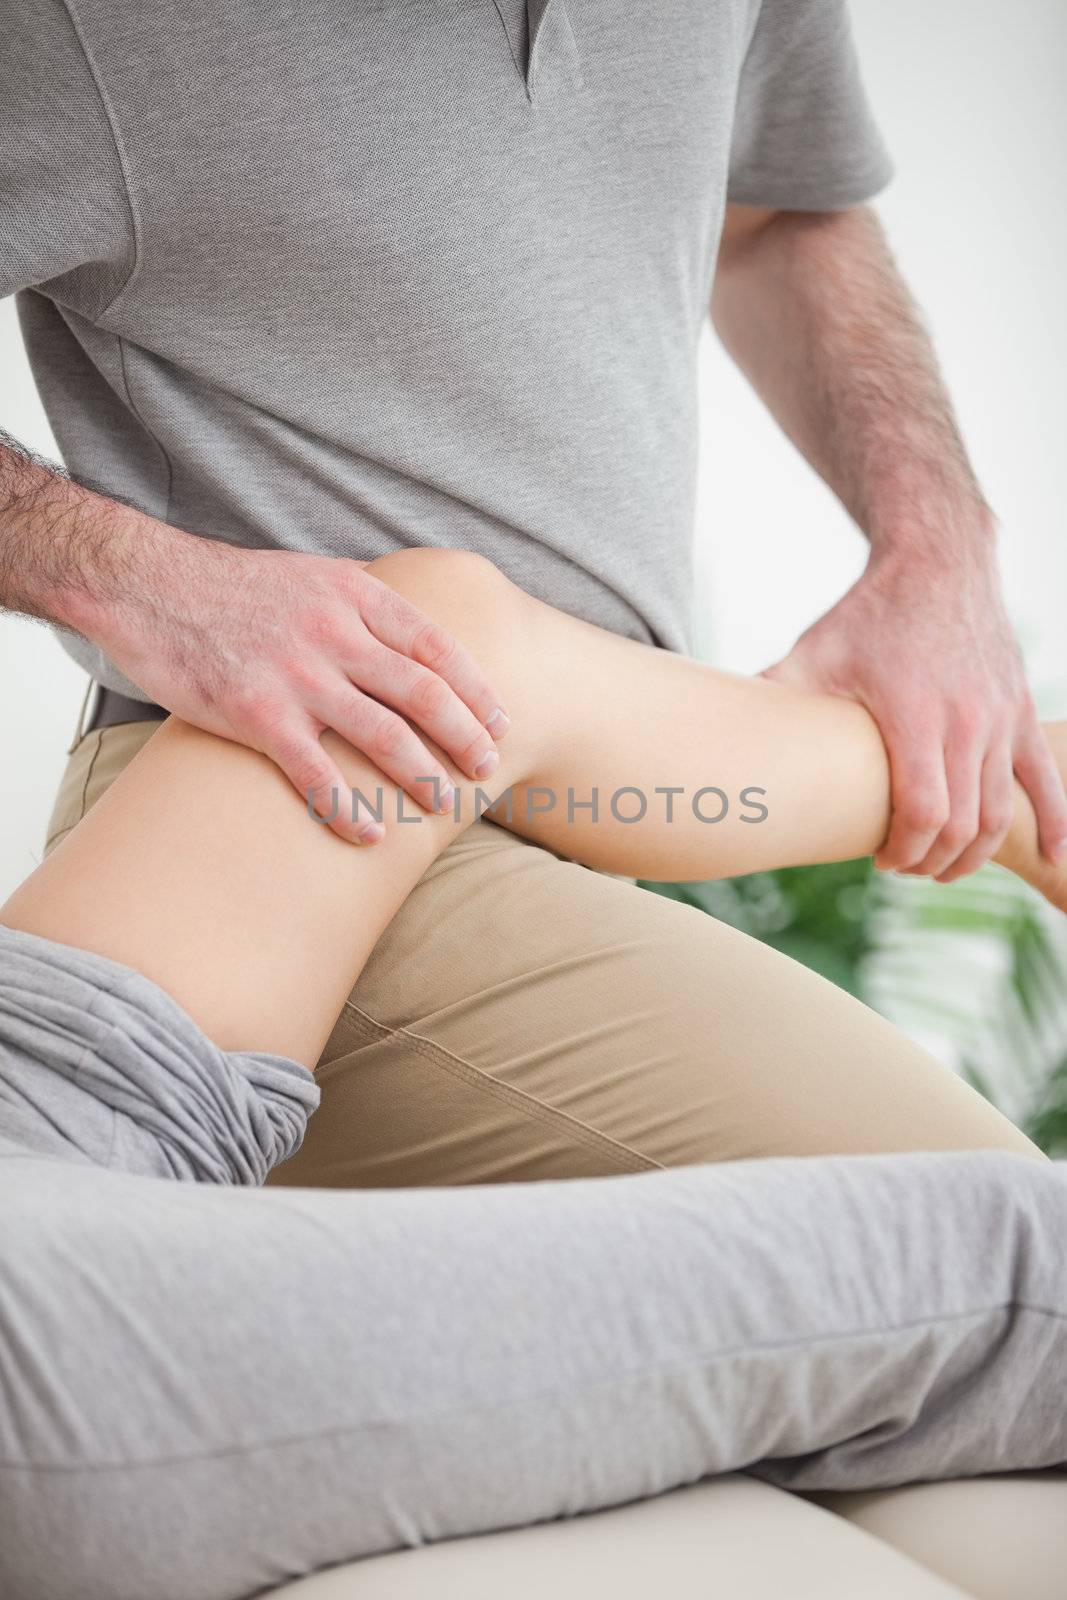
(344, 278)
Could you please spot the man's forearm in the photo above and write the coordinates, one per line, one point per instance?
(67, 554)
(813, 310)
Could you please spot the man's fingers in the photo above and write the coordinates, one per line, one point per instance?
(388, 742)
(320, 783)
(1039, 775)
(994, 818)
(963, 758)
(919, 800)
(428, 701)
(402, 627)
(791, 670)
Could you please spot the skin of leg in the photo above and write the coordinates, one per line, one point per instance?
(201, 868)
(259, 941)
(600, 711)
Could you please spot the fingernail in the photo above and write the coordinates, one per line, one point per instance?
(371, 833)
(1059, 851)
(489, 763)
(497, 723)
(447, 795)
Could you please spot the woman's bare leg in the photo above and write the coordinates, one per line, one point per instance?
(201, 868)
(601, 712)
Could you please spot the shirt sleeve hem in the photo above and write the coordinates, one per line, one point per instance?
(817, 195)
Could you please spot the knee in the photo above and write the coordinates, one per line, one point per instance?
(436, 578)
(464, 594)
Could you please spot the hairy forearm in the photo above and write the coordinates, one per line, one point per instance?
(68, 554)
(813, 310)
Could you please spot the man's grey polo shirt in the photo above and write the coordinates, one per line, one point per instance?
(345, 277)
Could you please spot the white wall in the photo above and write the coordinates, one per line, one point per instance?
(969, 94)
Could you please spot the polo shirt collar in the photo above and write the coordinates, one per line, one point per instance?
(542, 42)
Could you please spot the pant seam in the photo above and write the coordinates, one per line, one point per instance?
(437, 1055)
(84, 794)
(98, 734)
(700, 1362)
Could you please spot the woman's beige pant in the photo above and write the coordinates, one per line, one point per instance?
(524, 1018)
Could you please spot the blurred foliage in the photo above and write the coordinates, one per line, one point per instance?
(818, 915)
(1047, 1123)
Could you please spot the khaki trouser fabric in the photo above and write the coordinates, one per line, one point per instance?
(524, 1017)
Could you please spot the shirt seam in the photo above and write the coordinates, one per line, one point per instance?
(135, 411)
(120, 153)
(757, 18)
(511, 48)
(815, 195)
(138, 250)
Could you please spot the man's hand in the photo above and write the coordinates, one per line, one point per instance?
(270, 648)
(934, 660)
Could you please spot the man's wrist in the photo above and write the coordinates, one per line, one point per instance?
(933, 529)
